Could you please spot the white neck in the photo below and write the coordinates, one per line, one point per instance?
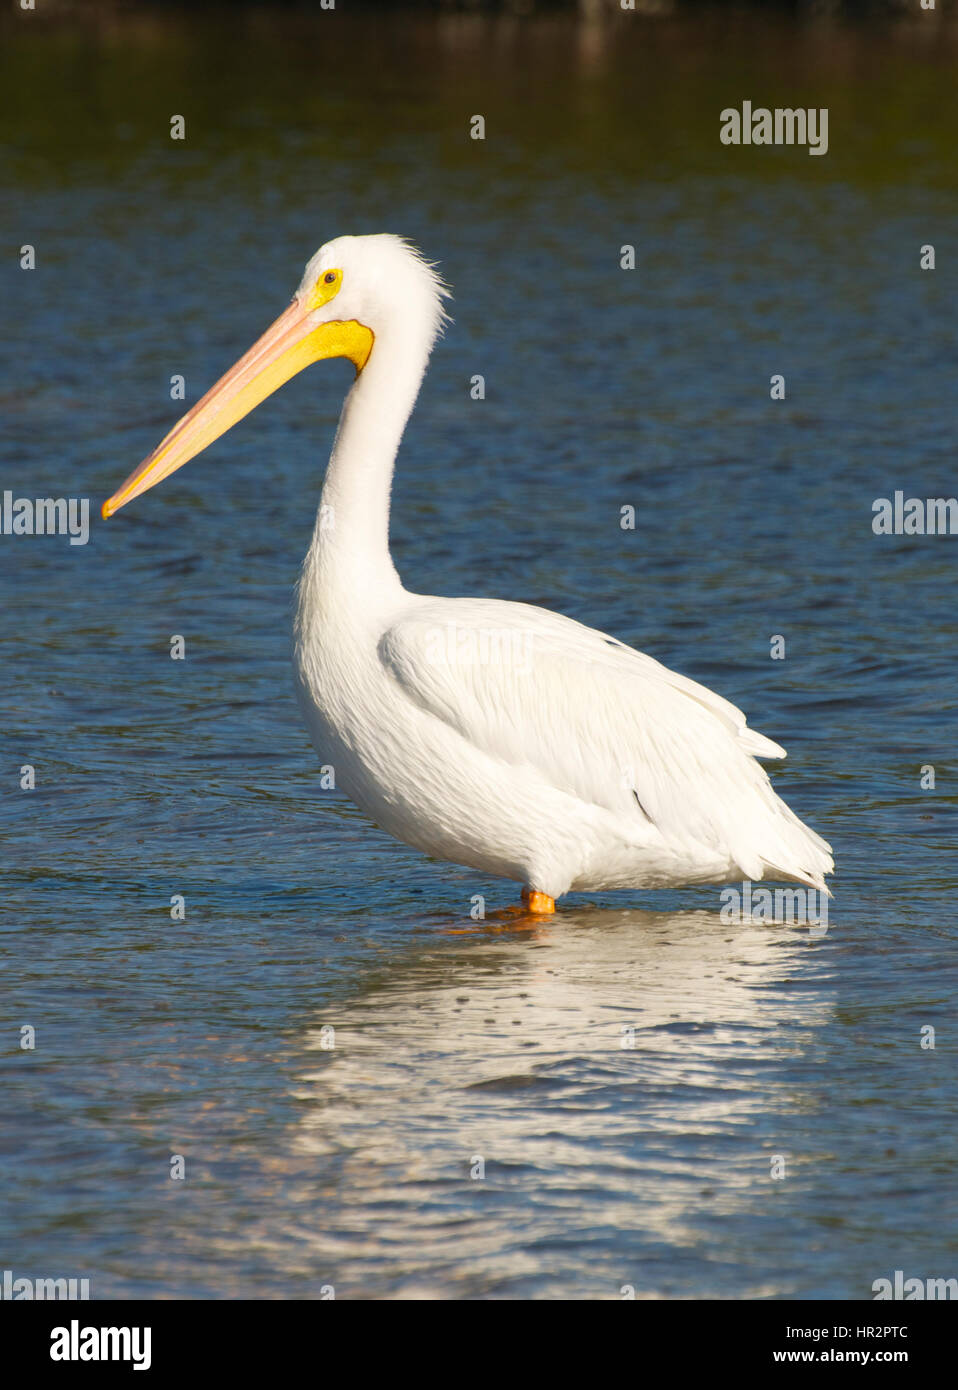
(349, 555)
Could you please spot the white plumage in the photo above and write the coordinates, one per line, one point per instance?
(494, 734)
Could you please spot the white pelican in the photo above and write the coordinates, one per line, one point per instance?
(493, 734)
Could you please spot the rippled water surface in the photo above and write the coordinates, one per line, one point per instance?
(455, 1040)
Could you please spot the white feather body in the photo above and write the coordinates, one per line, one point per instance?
(494, 734)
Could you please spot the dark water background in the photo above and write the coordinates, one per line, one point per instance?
(604, 1166)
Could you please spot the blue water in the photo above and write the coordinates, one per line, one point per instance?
(458, 1040)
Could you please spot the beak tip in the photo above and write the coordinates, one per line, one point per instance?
(106, 511)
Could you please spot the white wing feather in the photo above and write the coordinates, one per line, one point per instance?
(606, 723)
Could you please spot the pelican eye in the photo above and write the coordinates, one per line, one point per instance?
(325, 288)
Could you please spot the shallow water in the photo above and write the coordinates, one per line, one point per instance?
(605, 1165)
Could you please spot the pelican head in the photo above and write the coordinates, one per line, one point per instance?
(355, 289)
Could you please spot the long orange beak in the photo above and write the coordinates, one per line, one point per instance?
(289, 345)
